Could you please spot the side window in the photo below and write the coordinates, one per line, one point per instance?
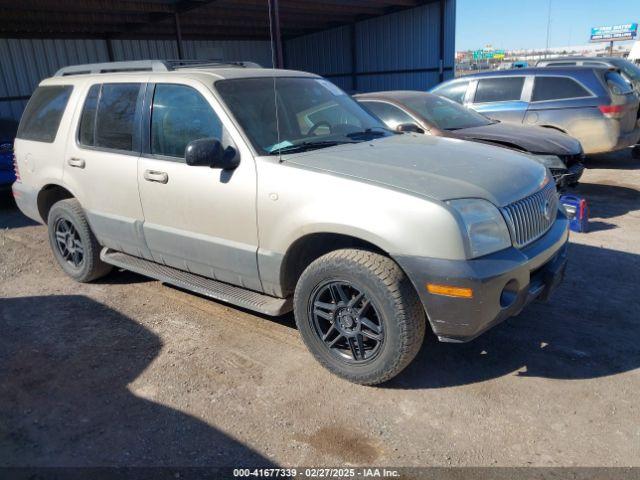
(88, 119)
(115, 116)
(499, 89)
(179, 116)
(41, 118)
(389, 114)
(455, 91)
(557, 88)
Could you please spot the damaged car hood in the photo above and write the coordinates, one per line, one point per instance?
(433, 167)
(529, 138)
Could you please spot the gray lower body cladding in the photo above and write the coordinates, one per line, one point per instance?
(503, 283)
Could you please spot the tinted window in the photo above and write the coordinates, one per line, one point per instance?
(88, 119)
(180, 115)
(114, 124)
(499, 89)
(557, 88)
(41, 118)
(389, 114)
(454, 91)
(443, 113)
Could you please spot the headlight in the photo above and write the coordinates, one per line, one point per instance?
(549, 161)
(487, 231)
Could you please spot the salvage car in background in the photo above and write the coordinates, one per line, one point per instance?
(7, 175)
(597, 106)
(428, 113)
(7, 134)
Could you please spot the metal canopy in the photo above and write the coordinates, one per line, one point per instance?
(188, 19)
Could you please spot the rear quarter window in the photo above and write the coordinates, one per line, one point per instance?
(557, 88)
(41, 119)
(499, 89)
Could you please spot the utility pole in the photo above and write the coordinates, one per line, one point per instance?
(546, 52)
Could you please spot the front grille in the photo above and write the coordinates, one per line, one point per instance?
(530, 218)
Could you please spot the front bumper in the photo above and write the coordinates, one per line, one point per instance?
(503, 283)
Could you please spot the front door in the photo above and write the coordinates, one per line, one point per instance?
(196, 218)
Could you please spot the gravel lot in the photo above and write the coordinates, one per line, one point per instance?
(128, 371)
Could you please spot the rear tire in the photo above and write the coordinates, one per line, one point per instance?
(363, 304)
(635, 152)
(74, 245)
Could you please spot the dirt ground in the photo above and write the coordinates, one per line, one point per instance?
(127, 371)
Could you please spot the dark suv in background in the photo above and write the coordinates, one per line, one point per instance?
(595, 105)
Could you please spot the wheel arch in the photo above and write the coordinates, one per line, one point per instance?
(306, 249)
(48, 196)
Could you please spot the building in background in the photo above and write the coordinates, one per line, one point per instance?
(360, 46)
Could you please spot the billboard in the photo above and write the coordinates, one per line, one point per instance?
(615, 33)
(488, 54)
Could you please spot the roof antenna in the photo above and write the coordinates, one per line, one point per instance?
(273, 66)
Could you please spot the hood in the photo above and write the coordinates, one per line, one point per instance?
(433, 167)
(531, 139)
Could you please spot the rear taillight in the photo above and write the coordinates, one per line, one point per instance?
(16, 169)
(613, 111)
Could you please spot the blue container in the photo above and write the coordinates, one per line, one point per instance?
(577, 211)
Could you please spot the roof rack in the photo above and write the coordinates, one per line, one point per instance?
(148, 66)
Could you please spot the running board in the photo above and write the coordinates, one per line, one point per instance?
(224, 292)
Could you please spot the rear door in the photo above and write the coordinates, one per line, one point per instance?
(101, 162)
(501, 98)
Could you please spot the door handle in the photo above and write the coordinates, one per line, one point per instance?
(76, 162)
(155, 176)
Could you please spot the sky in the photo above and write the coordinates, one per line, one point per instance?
(522, 24)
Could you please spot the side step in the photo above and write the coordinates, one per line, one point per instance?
(204, 286)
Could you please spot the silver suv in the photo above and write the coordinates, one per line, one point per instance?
(275, 191)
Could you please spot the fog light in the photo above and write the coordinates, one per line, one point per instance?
(449, 291)
(509, 294)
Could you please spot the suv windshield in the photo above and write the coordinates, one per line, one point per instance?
(443, 113)
(311, 113)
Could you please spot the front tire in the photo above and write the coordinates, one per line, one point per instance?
(74, 245)
(359, 315)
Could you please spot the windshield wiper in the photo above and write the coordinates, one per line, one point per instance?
(370, 133)
(306, 146)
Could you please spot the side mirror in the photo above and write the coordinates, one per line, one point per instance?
(208, 152)
(409, 127)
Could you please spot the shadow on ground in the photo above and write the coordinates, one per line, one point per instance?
(589, 329)
(10, 216)
(621, 160)
(65, 363)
